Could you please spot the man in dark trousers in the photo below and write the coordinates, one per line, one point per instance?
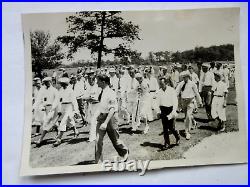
(107, 120)
(168, 103)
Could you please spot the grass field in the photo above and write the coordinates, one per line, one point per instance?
(79, 151)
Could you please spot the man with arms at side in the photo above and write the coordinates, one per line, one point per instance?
(107, 120)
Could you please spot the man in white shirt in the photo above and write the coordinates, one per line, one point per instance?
(48, 99)
(67, 108)
(175, 75)
(219, 101)
(188, 91)
(143, 107)
(168, 103)
(153, 89)
(91, 97)
(206, 83)
(78, 88)
(122, 97)
(132, 97)
(37, 111)
(107, 120)
(194, 77)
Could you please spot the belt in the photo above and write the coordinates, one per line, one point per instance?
(66, 103)
(152, 90)
(207, 86)
(187, 98)
(218, 95)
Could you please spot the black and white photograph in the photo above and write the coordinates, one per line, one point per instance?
(132, 90)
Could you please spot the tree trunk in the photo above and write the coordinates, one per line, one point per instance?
(99, 60)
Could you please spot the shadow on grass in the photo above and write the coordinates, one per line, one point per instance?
(202, 120)
(50, 141)
(77, 140)
(129, 131)
(154, 145)
(86, 162)
(164, 149)
(210, 128)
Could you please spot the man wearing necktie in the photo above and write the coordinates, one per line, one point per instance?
(206, 83)
(188, 91)
(107, 120)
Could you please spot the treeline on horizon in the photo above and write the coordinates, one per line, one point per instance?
(199, 54)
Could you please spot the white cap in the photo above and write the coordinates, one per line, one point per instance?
(112, 70)
(64, 80)
(47, 79)
(185, 73)
(138, 75)
(36, 79)
(206, 65)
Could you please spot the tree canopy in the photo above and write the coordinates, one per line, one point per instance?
(90, 29)
(45, 53)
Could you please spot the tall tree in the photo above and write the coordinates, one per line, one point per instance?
(91, 28)
(176, 57)
(136, 58)
(45, 54)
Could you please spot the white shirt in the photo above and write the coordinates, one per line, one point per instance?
(67, 96)
(54, 74)
(108, 101)
(153, 84)
(132, 93)
(144, 86)
(220, 71)
(194, 77)
(114, 83)
(36, 91)
(47, 96)
(79, 88)
(35, 94)
(212, 70)
(167, 98)
(219, 88)
(226, 73)
(206, 79)
(93, 91)
(131, 84)
(189, 92)
(123, 83)
(175, 76)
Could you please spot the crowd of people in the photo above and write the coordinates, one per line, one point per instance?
(106, 98)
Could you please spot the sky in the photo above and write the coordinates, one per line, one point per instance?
(168, 30)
